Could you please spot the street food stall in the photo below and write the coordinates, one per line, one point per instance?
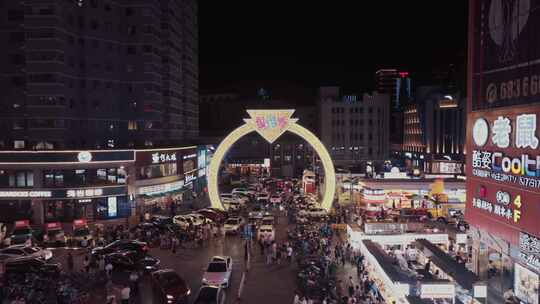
(372, 201)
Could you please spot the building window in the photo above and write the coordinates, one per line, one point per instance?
(18, 179)
(18, 144)
(132, 125)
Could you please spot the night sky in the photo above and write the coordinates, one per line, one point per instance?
(326, 43)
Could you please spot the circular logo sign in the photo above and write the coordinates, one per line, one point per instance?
(480, 132)
(84, 157)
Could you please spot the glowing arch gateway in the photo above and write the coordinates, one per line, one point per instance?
(270, 124)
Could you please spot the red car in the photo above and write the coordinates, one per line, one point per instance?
(169, 287)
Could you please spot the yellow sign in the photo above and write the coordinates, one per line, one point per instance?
(270, 124)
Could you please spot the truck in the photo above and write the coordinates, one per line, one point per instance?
(445, 210)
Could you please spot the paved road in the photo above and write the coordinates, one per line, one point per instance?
(275, 282)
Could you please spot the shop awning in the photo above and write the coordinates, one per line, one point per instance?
(441, 259)
(388, 264)
(418, 300)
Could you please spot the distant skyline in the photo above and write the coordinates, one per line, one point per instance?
(313, 45)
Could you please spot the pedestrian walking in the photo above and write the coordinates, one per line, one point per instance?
(351, 287)
(289, 253)
(296, 298)
(134, 282)
(86, 264)
(109, 270)
(70, 262)
(125, 294)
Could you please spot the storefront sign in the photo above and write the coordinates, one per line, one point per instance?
(74, 157)
(201, 157)
(161, 188)
(188, 178)
(526, 284)
(79, 223)
(112, 209)
(437, 291)
(22, 223)
(504, 173)
(25, 194)
(84, 157)
(160, 158)
(529, 250)
(54, 225)
(77, 193)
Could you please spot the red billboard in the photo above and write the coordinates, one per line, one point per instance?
(503, 171)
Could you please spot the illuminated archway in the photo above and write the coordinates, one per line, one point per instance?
(270, 124)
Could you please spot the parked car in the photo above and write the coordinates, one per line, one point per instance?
(241, 198)
(28, 264)
(210, 295)
(233, 206)
(122, 245)
(256, 212)
(226, 198)
(22, 234)
(182, 221)
(212, 215)
(3, 232)
(81, 233)
(218, 272)
(132, 260)
(263, 197)
(275, 199)
(199, 219)
(54, 235)
(23, 250)
(233, 225)
(266, 232)
(169, 287)
(242, 191)
(314, 212)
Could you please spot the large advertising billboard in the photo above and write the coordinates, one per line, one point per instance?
(505, 62)
(503, 172)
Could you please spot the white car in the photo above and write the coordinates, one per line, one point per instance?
(22, 250)
(275, 199)
(242, 191)
(266, 232)
(252, 191)
(233, 225)
(226, 198)
(232, 206)
(199, 219)
(241, 198)
(263, 197)
(218, 272)
(256, 213)
(182, 221)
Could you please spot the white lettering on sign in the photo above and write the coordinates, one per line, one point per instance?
(190, 156)
(525, 131)
(501, 132)
(498, 210)
(76, 193)
(189, 178)
(25, 194)
(159, 158)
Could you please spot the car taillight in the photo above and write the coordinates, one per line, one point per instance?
(145, 248)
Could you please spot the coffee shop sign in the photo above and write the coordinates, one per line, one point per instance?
(159, 158)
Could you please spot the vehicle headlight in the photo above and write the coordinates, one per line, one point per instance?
(188, 292)
(204, 280)
(170, 297)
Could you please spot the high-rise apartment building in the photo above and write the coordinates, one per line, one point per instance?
(98, 74)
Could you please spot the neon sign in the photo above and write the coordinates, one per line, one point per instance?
(158, 158)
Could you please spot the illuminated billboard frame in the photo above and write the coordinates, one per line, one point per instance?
(270, 124)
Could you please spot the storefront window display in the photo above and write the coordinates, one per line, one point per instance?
(19, 179)
(96, 209)
(84, 177)
(155, 171)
